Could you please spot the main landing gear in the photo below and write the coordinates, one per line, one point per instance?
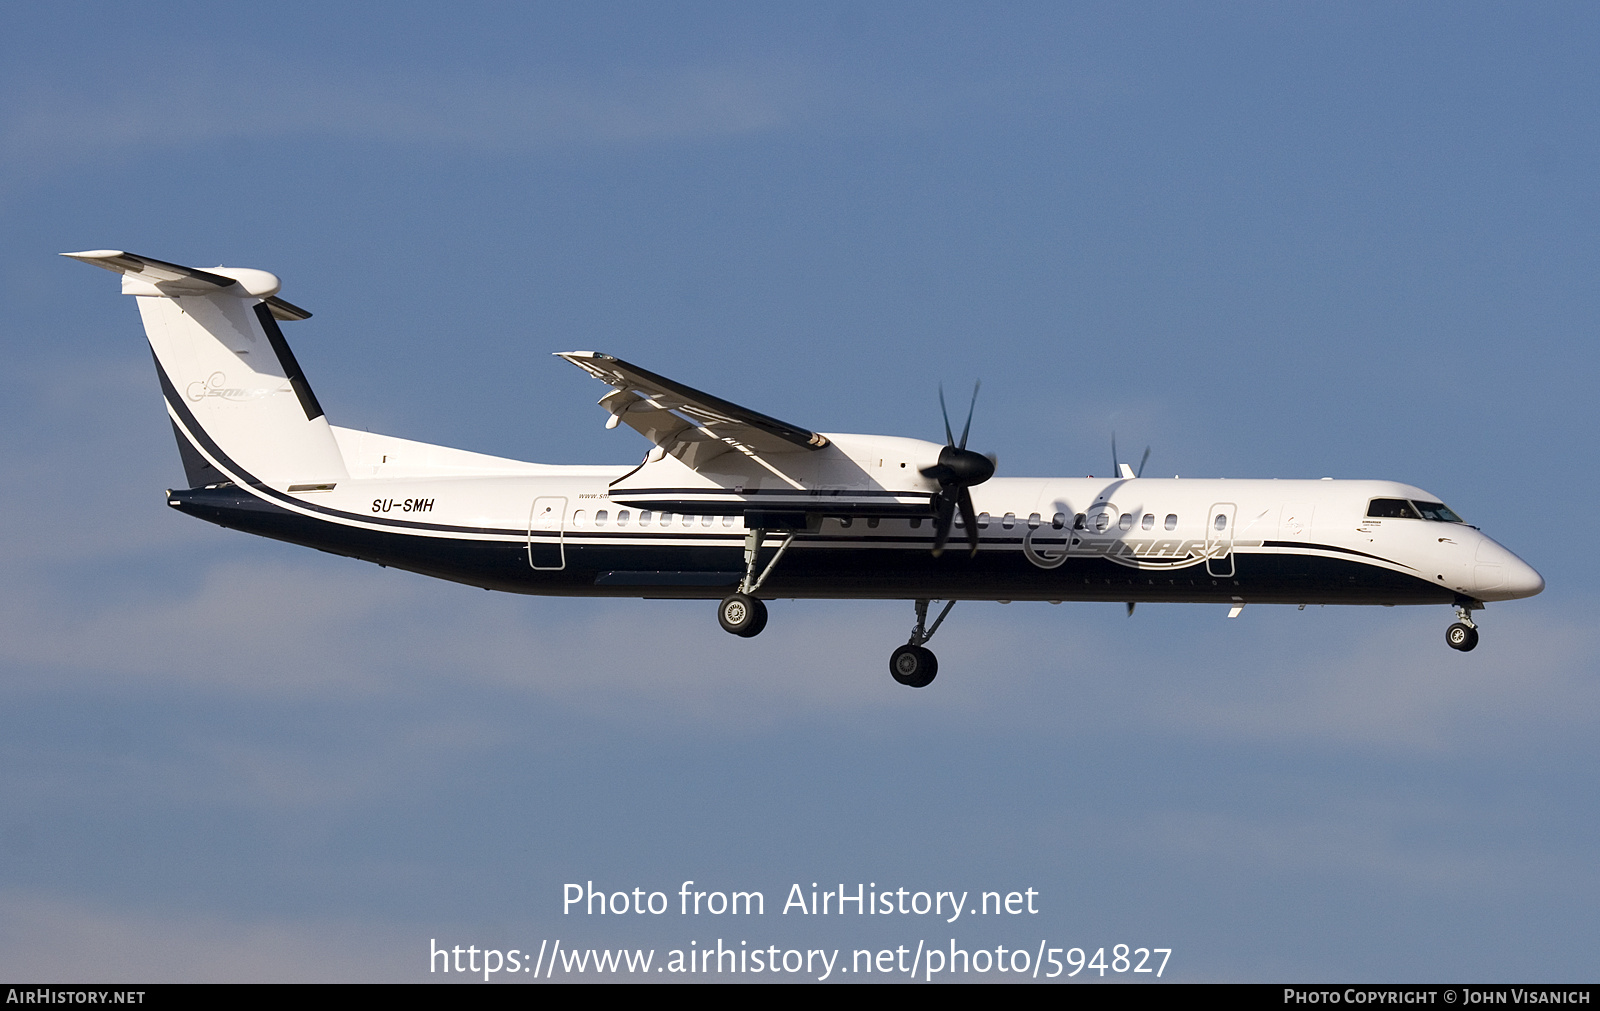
(913, 665)
(1463, 635)
(744, 615)
(741, 613)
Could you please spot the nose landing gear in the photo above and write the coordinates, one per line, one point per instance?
(1463, 634)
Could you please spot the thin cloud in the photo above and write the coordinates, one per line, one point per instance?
(320, 629)
(50, 938)
(48, 126)
(315, 630)
(1361, 845)
(1395, 690)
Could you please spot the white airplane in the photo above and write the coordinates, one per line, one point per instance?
(734, 505)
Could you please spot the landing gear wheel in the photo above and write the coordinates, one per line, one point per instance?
(760, 621)
(1461, 636)
(914, 666)
(742, 615)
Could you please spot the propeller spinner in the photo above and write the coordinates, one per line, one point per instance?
(958, 470)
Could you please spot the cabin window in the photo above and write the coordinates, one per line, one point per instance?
(580, 518)
(1172, 521)
(872, 521)
(644, 517)
(1149, 522)
(727, 521)
(1059, 520)
(1077, 522)
(1009, 520)
(1033, 521)
(706, 520)
(601, 517)
(688, 520)
(845, 521)
(666, 519)
(1392, 508)
(1102, 521)
(983, 519)
(1221, 522)
(916, 521)
(1126, 522)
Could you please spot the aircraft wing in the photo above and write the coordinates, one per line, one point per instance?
(693, 426)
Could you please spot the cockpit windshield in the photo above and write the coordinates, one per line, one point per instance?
(1399, 508)
(1438, 511)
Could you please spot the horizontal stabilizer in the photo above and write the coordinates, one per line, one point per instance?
(175, 279)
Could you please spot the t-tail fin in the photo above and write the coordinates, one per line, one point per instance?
(241, 407)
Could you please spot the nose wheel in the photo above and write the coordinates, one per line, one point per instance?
(1463, 634)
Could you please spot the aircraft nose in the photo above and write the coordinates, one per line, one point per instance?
(1501, 575)
(1523, 581)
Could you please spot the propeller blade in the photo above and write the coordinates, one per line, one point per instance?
(969, 518)
(957, 470)
(970, 408)
(1130, 607)
(1116, 461)
(1143, 461)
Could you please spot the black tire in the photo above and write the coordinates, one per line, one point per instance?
(742, 615)
(913, 666)
(1461, 637)
(758, 622)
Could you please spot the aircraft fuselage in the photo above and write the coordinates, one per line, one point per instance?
(1141, 539)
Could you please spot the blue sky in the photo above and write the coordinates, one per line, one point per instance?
(1267, 240)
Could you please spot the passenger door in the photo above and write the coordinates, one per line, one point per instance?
(547, 533)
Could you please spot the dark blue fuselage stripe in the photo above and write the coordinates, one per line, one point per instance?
(794, 493)
(1297, 546)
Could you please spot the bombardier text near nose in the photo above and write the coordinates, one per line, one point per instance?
(734, 505)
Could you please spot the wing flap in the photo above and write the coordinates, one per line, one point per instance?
(694, 426)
